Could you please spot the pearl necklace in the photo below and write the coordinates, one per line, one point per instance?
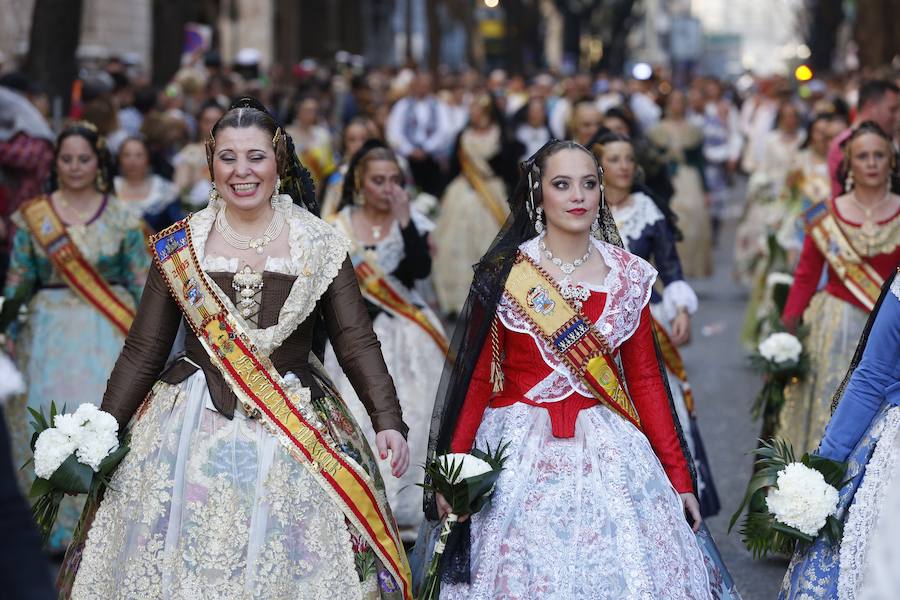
(245, 242)
(566, 268)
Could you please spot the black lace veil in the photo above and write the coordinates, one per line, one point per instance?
(473, 327)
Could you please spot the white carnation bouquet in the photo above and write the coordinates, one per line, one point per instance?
(781, 359)
(75, 455)
(790, 501)
(466, 481)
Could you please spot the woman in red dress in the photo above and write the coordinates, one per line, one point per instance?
(592, 499)
(854, 240)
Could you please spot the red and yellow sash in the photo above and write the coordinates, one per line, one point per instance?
(856, 274)
(378, 289)
(672, 359)
(50, 233)
(490, 201)
(569, 333)
(262, 391)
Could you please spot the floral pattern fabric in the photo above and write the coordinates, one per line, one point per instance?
(206, 507)
(64, 347)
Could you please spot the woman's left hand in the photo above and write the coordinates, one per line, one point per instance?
(399, 199)
(393, 441)
(692, 509)
(681, 328)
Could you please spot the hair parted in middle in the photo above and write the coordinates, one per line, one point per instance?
(250, 112)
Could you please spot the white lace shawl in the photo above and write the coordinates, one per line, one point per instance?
(632, 219)
(317, 251)
(627, 285)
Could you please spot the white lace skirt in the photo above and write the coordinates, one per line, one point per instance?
(206, 507)
(415, 363)
(591, 517)
(869, 557)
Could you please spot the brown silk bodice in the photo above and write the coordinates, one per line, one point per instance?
(341, 307)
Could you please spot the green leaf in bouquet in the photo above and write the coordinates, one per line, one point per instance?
(833, 530)
(774, 455)
(832, 470)
(779, 296)
(109, 464)
(792, 531)
(72, 477)
(39, 487)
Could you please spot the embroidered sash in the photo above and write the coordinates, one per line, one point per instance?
(79, 274)
(569, 333)
(488, 199)
(856, 274)
(262, 392)
(378, 289)
(672, 359)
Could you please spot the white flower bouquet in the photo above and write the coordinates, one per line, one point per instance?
(466, 481)
(781, 359)
(790, 501)
(76, 455)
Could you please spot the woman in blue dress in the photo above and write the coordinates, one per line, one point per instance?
(864, 431)
(647, 229)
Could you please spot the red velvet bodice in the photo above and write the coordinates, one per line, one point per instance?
(524, 367)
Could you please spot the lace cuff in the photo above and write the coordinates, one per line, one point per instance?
(679, 294)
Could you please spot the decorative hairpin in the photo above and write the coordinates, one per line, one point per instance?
(276, 137)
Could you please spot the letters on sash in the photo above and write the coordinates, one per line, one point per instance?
(80, 275)
(569, 333)
(858, 276)
(262, 392)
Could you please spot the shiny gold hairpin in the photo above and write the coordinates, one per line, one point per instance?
(276, 137)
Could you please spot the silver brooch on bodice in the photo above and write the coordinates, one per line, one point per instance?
(575, 293)
(248, 284)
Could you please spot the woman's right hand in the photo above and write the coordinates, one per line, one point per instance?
(445, 509)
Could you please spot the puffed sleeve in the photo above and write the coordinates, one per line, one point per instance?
(477, 397)
(806, 281)
(644, 380)
(21, 277)
(875, 380)
(359, 352)
(146, 349)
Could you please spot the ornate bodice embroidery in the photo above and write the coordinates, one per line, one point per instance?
(317, 251)
(627, 287)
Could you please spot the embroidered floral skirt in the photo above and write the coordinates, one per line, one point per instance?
(206, 507)
(591, 517)
(834, 330)
(861, 565)
(65, 352)
(415, 362)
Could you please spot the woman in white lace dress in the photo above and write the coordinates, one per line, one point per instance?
(389, 248)
(247, 481)
(596, 500)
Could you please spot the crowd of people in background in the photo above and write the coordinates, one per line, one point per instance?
(416, 168)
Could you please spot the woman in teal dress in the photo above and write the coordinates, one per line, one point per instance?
(64, 346)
